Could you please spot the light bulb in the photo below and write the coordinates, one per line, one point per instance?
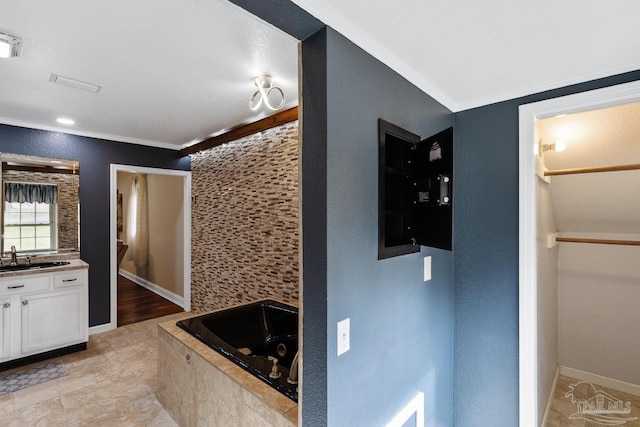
(560, 146)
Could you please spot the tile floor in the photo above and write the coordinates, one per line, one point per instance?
(564, 407)
(112, 383)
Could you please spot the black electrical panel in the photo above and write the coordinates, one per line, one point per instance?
(414, 193)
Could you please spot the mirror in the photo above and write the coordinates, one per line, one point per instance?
(40, 204)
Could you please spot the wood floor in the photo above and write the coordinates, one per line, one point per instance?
(136, 303)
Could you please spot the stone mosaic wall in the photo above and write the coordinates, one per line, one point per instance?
(245, 220)
(68, 185)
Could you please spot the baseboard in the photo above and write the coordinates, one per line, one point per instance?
(415, 407)
(601, 380)
(550, 399)
(27, 360)
(176, 299)
(101, 328)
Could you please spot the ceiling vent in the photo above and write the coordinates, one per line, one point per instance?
(77, 84)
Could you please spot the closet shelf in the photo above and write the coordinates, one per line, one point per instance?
(573, 171)
(599, 241)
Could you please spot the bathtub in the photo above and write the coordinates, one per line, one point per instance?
(249, 335)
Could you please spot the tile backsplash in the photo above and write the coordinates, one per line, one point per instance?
(245, 220)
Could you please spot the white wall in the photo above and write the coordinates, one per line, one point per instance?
(547, 295)
(599, 316)
(165, 268)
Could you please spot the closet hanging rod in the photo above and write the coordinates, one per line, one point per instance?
(615, 168)
(600, 241)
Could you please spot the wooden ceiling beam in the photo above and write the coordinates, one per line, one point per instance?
(261, 125)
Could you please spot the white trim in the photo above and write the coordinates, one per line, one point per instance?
(415, 406)
(186, 256)
(156, 289)
(543, 87)
(528, 350)
(333, 17)
(600, 380)
(101, 328)
(529, 113)
(547, 409)
(90, 134)
(348, 28)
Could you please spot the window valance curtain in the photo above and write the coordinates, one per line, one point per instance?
(25, 192)
(138, 221)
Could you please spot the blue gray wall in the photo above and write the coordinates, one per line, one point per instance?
(95, 156)
(401, 326)
(313, 187)
(486, 258)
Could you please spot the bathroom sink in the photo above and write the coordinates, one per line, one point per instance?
(32, 266)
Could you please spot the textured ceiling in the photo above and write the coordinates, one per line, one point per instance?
(176, 71)
(466, 54)
(171, 71)
(607, 202)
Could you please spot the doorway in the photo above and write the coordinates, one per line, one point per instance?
(183, 255)
(529, 368)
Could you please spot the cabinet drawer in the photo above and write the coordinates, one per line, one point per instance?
(22, 284)
(69, 278)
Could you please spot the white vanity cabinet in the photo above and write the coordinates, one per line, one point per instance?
(5, 328)
(43, 311)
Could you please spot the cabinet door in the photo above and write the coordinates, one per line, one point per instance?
(53, 319)
(5, 328)
(433, 180)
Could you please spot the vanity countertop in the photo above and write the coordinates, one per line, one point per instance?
(74, 264)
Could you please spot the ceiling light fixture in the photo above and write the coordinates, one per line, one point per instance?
(557, 146)
(264, 85)
(9, 45)
(74, 83)
(65, 121)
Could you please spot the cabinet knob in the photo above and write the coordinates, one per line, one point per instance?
(25, 302)
(6, 305)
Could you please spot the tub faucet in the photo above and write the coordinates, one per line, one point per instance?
(293, 371)
(275, 374)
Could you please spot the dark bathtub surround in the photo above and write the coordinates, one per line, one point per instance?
(254, 336)
(245, 221)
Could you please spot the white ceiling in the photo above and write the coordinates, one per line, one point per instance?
(176, 71)
(595, 203)
(171, 71)
(471, 53)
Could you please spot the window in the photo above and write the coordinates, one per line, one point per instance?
(29, 221)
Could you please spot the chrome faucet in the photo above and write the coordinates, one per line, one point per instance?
(293, 371)
(14, 256)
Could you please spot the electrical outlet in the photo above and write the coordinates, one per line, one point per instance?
(427, 268)
(343, 336)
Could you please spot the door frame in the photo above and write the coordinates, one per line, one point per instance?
(528, 316)
(186, 256)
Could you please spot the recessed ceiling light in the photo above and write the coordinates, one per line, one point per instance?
(65, 121)
(9, 45)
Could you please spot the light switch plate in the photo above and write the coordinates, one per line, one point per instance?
(427, 268)
(343, 336)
